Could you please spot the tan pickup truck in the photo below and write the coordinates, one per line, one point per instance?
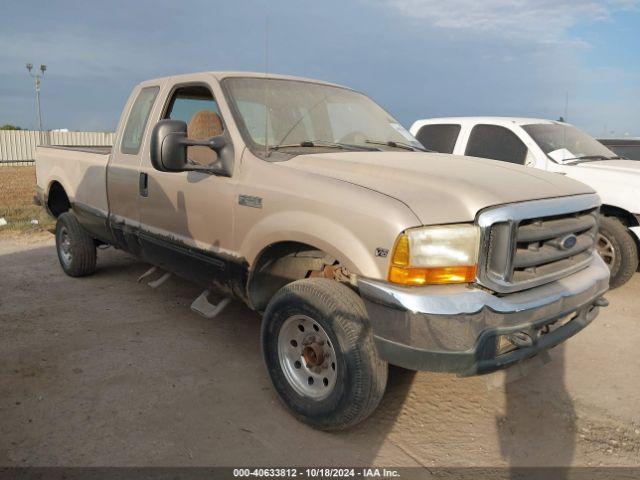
(312, 205)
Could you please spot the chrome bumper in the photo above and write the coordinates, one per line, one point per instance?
(457, 328)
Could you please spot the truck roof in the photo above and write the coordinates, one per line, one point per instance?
(490, 120)
(226, 74)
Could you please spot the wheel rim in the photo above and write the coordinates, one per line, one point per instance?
(64, 248)
(606, 250)
(307, 357)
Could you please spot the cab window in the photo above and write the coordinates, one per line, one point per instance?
(439, 137)
(497, 143)
(137, 121)
(196, 106)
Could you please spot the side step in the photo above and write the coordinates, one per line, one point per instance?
(157, 282)
(202, 306)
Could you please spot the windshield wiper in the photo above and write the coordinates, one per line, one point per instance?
(322, 143)
(589, 158)
(394, 144)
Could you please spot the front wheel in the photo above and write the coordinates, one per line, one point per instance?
(76, 249)
(320, 354)
(618, 250)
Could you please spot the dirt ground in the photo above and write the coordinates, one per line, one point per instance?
(104, 371)
(17, 189)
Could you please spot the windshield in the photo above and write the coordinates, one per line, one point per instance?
(305, 116)
(566, 143)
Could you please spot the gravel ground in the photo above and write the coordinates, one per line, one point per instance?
(105, 371)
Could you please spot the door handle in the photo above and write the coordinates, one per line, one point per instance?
(143, 184)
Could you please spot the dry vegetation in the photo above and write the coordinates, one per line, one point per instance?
(17, 188)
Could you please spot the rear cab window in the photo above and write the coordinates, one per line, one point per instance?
(137, 121)
(497, 143)
(439, 137)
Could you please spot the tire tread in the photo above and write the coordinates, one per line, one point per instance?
(84, 250)
(627, 247)
(371, 372)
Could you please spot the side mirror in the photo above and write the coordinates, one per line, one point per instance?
(167, 152)
(169, 144)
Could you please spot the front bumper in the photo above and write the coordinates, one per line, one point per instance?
(462, 329)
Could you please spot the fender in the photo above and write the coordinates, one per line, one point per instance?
(320, 232)
(636, 232)
(60, 175)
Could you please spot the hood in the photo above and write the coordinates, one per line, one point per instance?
(626, 166)
(616, 181)
(439, 188)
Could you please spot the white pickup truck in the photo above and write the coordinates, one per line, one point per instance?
(310, 204)
(561, 148)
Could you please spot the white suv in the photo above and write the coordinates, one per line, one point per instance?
(555, 147)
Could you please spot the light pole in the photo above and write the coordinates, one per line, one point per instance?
(38, 80)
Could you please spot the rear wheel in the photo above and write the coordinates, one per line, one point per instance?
(76, 249)
(618, 250)
(320, 354)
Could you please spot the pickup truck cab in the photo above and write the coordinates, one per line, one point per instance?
(313, 206)
(627, 148)
(561, 148)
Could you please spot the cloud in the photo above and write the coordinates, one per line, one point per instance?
(540, 21)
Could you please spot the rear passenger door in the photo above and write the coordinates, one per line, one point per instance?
(123, 181)
(497, 143)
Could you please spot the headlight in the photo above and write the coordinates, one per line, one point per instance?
(435, 255)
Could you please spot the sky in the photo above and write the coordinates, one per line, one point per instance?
(417, 58)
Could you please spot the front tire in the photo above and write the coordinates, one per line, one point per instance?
(76, 249)
(320, 354)
(618, 249)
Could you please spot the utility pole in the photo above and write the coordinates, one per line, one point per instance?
(38, 80)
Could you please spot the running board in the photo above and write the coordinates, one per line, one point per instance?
(147, 274)
(160, 281)
(155, 283)
(202, 306)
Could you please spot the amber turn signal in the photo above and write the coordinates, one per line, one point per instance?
(431, 276)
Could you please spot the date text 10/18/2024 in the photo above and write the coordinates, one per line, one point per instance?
(316, 472)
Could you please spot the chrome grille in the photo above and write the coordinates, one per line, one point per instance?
(531, 243)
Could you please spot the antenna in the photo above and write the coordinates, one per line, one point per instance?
(266, 74)
(566, 112)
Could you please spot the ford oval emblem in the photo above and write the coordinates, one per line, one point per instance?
(568, 242)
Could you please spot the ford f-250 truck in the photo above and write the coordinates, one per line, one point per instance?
(312, 205)
(555, 147)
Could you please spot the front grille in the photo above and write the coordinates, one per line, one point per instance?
(531, 243)
(540, 250)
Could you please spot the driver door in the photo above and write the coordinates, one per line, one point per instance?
(186, 217)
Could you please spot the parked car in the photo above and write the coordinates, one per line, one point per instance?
(628, 148)
(561, 148)
(313, 206)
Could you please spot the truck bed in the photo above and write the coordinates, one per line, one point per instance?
(81, 170)
(83, 148)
